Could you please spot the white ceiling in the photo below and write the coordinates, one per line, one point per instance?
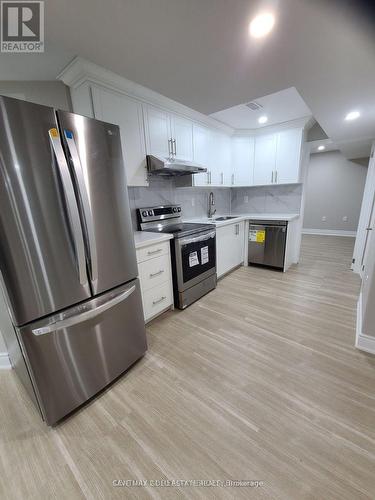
(279, 107)
(198, 52)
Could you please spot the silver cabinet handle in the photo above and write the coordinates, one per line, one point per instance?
(158, 300)
(84, 316)
(170, 148)
(71, 203)
(222, 177)
(368, 228)
(237, 229)
(232, 178)
(153, 252)
(208, 177)
(77, 165)
(152, 275)
(276, 176)
(272, 178)
(174, 148)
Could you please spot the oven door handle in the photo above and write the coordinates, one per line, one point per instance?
(195, 239)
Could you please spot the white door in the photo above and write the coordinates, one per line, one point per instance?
(288, 156)
(158, 131)
(242, 161)
(264, 159)
(182, 135)
(201, 144)
(125, 112)
(365, 218)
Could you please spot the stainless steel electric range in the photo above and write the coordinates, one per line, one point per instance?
(193, 251)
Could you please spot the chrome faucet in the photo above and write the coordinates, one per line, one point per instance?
(211, 204)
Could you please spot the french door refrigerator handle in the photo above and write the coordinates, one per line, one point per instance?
(71, 202)
(84, 316)
(85, 202)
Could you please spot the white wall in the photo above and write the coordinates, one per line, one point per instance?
(334, 189)
(54, 94)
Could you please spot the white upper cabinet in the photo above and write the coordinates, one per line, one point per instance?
(182, 137)
(222, 167)
(242, 161)
(158, 131)
(125, 112)
(201, 152)
(168, 134)
(288, 156)
(264, 159)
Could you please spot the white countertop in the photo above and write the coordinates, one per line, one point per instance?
(146, 238)
(241, 217)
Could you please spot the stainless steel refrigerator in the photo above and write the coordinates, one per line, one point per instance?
(67, 256)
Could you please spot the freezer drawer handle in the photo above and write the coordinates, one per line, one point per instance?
(71, 202)
(77, 165)
(85, 316)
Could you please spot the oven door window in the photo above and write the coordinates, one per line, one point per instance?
(198, 255)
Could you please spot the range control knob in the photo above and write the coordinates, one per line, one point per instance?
(150, 212)
(174, 209)
(144, 213)
(179, 209)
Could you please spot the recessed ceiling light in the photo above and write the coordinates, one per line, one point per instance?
(321, 148)
(263, 119)
(261, 25)
(353, 115)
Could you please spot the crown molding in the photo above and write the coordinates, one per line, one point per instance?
(81, 70)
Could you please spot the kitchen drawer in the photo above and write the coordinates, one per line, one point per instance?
(154, 272)
(152, 251)
(157, 299)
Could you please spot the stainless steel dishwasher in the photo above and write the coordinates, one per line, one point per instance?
(267, 242)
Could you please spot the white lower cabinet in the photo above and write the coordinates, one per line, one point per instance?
(155, 274)
(230, 244)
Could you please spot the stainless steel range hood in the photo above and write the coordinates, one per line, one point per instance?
(157, 165)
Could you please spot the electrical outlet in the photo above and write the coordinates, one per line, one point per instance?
(192, 202)
(324, 218)
(345, 218)
(246, 199)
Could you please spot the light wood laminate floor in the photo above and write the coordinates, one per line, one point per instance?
(258, 380)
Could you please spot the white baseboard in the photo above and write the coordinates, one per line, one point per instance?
(330, 232)
(362, 341)
(4, 361)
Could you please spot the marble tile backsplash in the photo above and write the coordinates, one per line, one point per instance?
(194, 201)
(267, 199)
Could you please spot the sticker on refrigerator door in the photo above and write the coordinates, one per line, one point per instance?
(204, 255)
(193, 259)
(68, 134)
(53, 132)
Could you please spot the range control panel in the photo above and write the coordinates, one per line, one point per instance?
(147, 214)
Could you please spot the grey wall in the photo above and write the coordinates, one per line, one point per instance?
(334, 189)
(54, 93)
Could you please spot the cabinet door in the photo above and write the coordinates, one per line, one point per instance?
(158, 131)
(264, 159)
(288, 154)
(242, 161)
(201, 145)
(219, 159)
(125, 112)
(229, 247)
(182, 134)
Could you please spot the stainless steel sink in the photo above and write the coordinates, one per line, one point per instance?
(226, 217)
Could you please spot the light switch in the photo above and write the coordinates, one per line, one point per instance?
(345, 218)
(246, 199)
(324, 218)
